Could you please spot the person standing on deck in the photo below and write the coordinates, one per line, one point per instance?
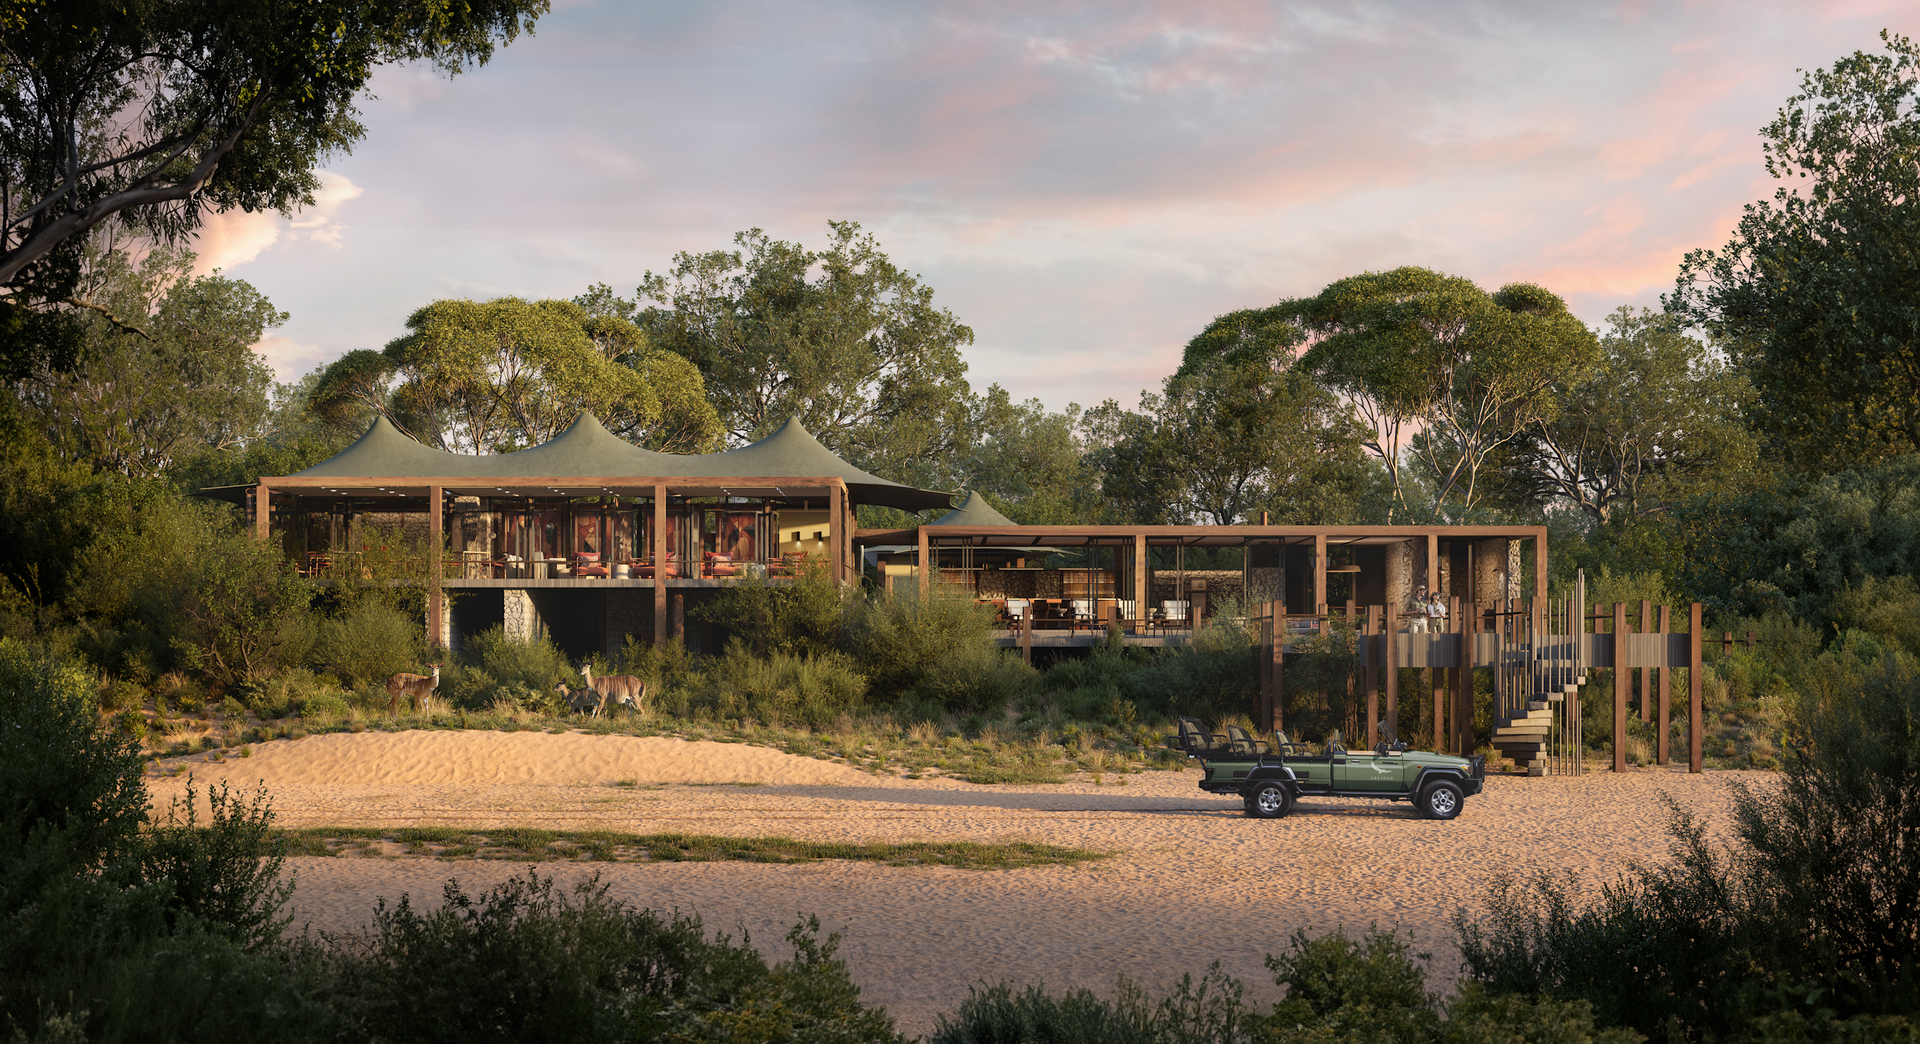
(1416, 610)
(1437, 613)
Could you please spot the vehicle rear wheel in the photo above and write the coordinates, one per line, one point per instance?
(1269, 801)
(1442, 799)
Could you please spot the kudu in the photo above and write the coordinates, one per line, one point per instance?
(418, 688)
(624, 690)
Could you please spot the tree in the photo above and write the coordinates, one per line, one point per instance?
(162, 112)
(1819, 289)
(1029, 463)
(840, 337)
(189, 379)
(1659, 415)
(501, 375)
(1474, 369)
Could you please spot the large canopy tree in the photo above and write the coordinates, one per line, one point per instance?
(136, 403)
(1472, 370)
(840, 337)
(1659, 416)
(159, 111)
(1819, 289)
(501, 375)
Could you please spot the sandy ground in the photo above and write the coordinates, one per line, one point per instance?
(1191, 880)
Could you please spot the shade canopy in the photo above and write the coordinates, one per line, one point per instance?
(387, 460)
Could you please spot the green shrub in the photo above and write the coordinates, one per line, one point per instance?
(370, 643)
(897, 639)
(1214, 674)
(325, 706)
(224, 875)
(976, 677)
(518, 664)
(118, 694)
(801, 616)
(525, 963)
(1210, 1011)
(779, 688)
(281, 694)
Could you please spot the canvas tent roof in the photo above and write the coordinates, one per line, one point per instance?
(974, 511)
(587, 449)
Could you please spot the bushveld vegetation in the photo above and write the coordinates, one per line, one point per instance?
(119, 923)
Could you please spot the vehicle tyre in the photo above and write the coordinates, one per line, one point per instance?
(1442, 799)
(1269, 801)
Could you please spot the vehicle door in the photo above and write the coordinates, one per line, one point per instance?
(1367, 772)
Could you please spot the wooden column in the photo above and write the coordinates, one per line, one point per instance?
(1666, 684)
(1370, 673)
(1319, 572)
(1433, 564)
(837, 559)
(855, 560)
(1694, 710)
(1540, 569)
(925, 563)
(1279, 614)
(1463, 689)
(1140, 579)
(1441, 681)
(1620, 683)
(261, 502)
(1026, 635)
(1263, 711)
(436, 594)
(1646, 673)
(1390, 663)
(660, 633)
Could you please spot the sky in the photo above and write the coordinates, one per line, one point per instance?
(1085, 185)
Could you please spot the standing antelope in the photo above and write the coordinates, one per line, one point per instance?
(624, 690)
(418, 688)
(582, 701)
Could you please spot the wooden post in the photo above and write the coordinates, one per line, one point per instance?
(1646, 673)
(837, 533)
(1433, 563)
(436, 594)
(1279, 666)
(660, 632)
(1353, 676)
(1439, 677)
(262, 501)
(1026, 635)
(1463, 701)
(1263, 714)
(1371, 672)
(1320, 572)
(1540, 569)
(925, 567)
(1390, 663)
(1666, 683)
(1620, 683)
(1693, 687)
(1140, 580)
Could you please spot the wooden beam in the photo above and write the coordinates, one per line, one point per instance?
(1620, 683)
(837, 537)
(436, 596)
(923, 564)
(1666, 686)
(1140, 580)
(1433, 563)
(1694, 624)
(1320, 572)
(1540, 568)
(262, 501)
(1646, 673)
(660, 633)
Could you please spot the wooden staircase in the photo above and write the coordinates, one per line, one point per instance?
(1524, 738)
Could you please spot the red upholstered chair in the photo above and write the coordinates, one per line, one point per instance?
(645, 568)
(719, 564)
(588, 564)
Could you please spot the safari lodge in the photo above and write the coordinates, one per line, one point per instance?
(589, 540)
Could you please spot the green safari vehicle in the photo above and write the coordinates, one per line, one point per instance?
(1270, 778)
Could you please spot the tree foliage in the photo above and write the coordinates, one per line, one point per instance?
(1659, 417)
(171, 373)
(501, 375)
(163, 112)
(840, 337)
(1474, 369)
(1819, 289)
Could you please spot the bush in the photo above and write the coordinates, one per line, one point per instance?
(326, 707)
(897, 639)
(225, 875)
(811, 690)
(370, 643)
(282, 694)
(518, 665)
(1214, 674)
(801, 616)
(977, 677)
(525, 963)
(1207, 1012)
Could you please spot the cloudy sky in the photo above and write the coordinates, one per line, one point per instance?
(1084, 184)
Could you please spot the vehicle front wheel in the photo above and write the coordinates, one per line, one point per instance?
(1269, 801)
(1442, 800)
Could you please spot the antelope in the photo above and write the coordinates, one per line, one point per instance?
(582, 701)
(418, 688)
(624, 690)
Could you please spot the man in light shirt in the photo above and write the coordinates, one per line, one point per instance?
(1416, 610)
